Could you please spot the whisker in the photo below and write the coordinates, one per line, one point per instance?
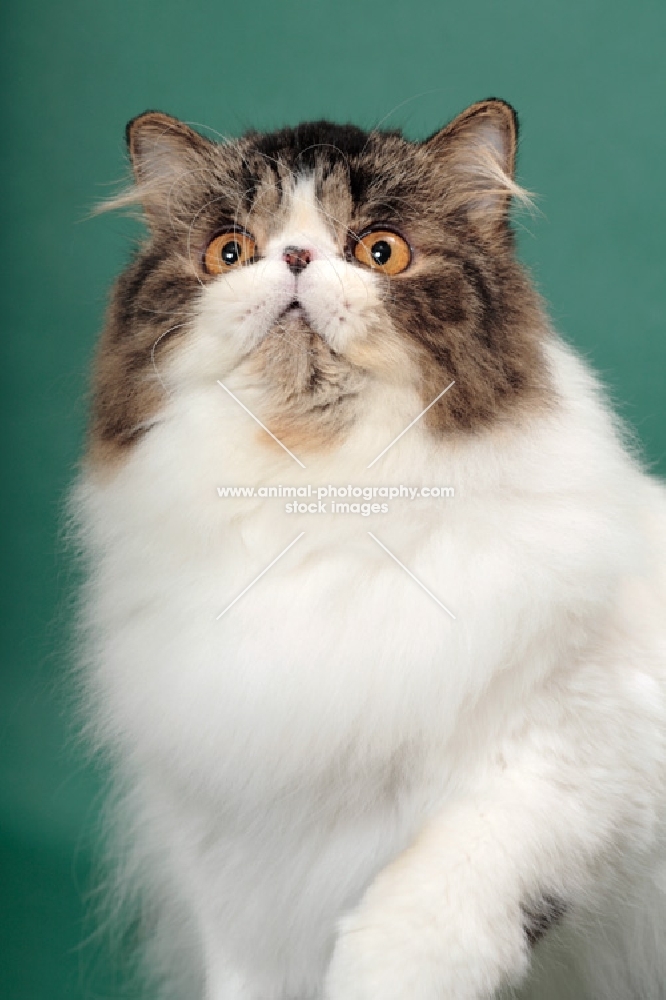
(152, 353)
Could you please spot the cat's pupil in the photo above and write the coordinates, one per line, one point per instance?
(381, 251)
(231, 252)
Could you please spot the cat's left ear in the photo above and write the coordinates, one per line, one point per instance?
(163, 150)
(477, 154)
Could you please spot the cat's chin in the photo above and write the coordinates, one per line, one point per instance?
(295, 308)
(294, 319)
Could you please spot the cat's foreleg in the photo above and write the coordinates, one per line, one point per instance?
(456, 915)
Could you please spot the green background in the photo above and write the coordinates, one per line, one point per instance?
(588, 80)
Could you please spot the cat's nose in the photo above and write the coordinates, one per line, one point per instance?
(296, 258)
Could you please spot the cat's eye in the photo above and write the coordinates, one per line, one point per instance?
(229, 250)
(383, 250)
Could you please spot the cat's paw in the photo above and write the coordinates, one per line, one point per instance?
(406, 946)
(384, 958)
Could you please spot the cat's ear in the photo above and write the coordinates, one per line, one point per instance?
(162, 150)
(477, 155)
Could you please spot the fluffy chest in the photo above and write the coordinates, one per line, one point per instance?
(333, 659)
(231, 634)
(333, 647)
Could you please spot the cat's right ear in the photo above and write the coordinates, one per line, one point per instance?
(162, 151)
(476, 153)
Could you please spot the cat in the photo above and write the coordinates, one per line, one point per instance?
(412, 753)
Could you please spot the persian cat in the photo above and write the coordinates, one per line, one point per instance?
(408, 749)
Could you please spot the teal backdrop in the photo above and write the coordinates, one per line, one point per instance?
(589, 82)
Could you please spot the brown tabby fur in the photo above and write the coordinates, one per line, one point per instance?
(464, 310)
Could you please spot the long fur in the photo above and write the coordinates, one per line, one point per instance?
(337, 790)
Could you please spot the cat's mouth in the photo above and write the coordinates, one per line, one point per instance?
(294, 306)
(294, 316)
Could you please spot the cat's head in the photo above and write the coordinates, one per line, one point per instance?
(319, 261)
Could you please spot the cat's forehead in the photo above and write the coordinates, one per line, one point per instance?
(312, 144)
(303, 217)
(345, 169)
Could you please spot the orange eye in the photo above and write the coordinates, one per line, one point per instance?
(229, 250)
(383, 250)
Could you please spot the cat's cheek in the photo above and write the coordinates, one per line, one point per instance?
(346, 330)
(236, 312)
(341, 302)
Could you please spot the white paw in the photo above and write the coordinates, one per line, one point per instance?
(404, 951)
(380, 958)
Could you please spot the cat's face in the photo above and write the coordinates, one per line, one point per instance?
(318, 261)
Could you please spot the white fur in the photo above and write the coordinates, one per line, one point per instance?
(338, 790)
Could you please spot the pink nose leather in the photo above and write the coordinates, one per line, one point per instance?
(296, 258)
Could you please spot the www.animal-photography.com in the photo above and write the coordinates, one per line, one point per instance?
(334, 656)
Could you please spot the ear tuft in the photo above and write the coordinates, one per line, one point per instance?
(479, 149)
(160, 145)
(162, 149)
